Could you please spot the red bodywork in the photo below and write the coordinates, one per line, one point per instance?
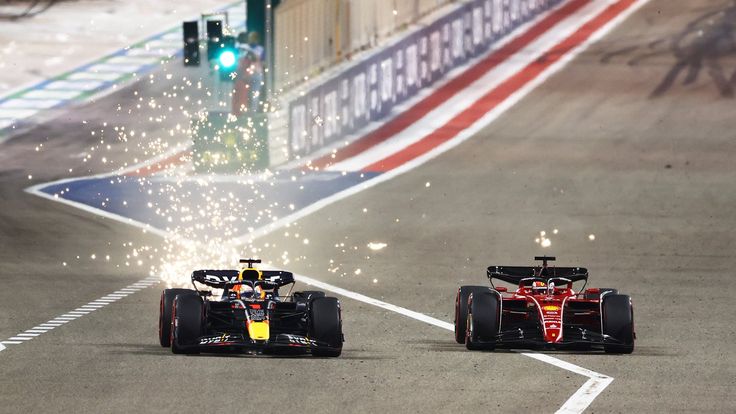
(549, 307)
(543, 310)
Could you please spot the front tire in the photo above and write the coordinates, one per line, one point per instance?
(187, 321)
(166, 307)
(618, 322)
(483, 321)
(461, 309)
(325, 326)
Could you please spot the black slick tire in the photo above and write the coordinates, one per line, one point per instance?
(482, 321)
(325, 326)
(461, 309)
(618, 322)
(187, 324)
(166, 307)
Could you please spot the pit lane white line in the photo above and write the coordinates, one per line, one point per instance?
(585, 394)
(67, 317)
(577, 403)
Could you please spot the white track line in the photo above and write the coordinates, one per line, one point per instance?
(577, 403)
(147, 228)
(585, 394)
(44, 94)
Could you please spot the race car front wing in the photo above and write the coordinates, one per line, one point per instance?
(240, 342)
(572, 337)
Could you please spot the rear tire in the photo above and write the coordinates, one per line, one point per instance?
(483, 321)
(165, 314)
(618, 322)
(325, 326)
(597, 296)
(308, 295)
(187, 321)
(461, 309)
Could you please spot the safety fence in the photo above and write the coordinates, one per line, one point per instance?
(311, 35)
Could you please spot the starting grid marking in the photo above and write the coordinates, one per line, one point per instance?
(84, 82)
(77, 313)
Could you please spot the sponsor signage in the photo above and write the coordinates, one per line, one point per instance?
(218, 339)
(370, 89)
(300, 340)
(257, 315)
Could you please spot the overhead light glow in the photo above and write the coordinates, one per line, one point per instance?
(227, 59)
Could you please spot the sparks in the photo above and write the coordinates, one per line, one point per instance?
(376, 245)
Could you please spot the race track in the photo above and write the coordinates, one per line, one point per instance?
(632, 142)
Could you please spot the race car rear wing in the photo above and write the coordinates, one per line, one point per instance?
(222, 279)
(527, 274)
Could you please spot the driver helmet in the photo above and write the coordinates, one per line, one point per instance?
(259, 292)
(253, 293)
(246, 292)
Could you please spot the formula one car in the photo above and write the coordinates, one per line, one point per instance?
(249, 315)
(543, 312)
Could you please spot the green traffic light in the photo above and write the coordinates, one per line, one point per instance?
(227, 59)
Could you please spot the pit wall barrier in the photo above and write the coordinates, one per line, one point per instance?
(329, 108)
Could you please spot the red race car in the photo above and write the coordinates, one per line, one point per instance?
(543, 312)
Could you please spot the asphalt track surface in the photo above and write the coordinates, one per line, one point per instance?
(608, 146)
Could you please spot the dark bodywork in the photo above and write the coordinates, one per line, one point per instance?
(226, 318)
